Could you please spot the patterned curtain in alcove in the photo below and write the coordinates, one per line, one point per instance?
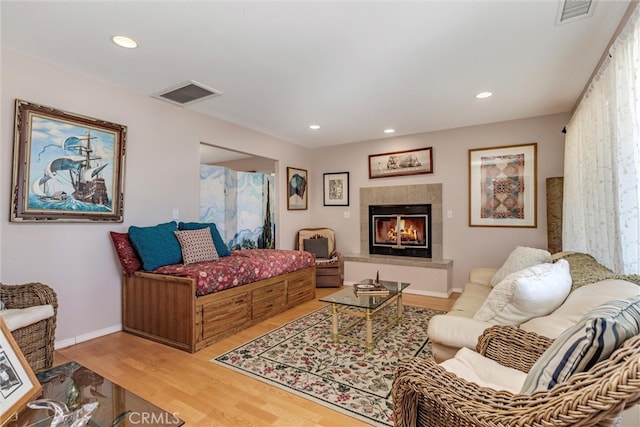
(240, 204)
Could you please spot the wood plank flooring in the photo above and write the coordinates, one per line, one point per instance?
(206, 394)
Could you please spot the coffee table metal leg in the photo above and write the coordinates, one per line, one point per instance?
(369, 341)
(334, 323)
(399, 311)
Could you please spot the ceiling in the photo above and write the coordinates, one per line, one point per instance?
(352, 67)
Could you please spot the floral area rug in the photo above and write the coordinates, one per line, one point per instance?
(300, 357)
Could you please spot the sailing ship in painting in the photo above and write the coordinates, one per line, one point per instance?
(72, 178)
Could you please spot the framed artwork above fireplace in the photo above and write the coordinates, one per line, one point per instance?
(399, 163)
(502, 186)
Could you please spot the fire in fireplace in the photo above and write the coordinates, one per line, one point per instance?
(402, 230)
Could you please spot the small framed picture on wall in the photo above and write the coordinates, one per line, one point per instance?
(336, 189)
(297, 189)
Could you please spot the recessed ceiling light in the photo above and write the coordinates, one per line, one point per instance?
(125, 42)
(389, 130)
(483, 95)
(314, 127)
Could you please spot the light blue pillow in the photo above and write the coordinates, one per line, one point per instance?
(221, 248)
(593, 339)
(157, 245)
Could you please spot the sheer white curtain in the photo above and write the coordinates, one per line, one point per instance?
(602, 161)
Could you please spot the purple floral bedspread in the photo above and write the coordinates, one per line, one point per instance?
(242, 267)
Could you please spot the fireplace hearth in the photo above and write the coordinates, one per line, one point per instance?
(400, 230)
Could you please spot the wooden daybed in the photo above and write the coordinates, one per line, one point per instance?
(166, 309)
(190, 304)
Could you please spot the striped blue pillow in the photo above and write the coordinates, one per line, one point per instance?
(583, 345)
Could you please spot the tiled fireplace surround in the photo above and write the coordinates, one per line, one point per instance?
(428, 276)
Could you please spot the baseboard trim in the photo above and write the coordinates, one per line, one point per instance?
(86, 337)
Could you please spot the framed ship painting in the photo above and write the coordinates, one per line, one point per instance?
(502, 186)
(66, 167)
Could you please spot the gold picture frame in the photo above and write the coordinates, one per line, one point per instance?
(66, 167)
(297, 189)
(18, 383)
(503, 186)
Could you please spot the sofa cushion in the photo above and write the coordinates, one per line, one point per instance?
(588, 342)
(455, 331)
(221, 247)
(16, 318)
(579, 302)
(470, 300)
(521, 257)
(319, 247)
(197, 245)
(157, 245)
(473, 367)
(126, 253)
(532, 292)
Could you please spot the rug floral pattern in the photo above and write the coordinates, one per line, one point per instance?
(300, 357)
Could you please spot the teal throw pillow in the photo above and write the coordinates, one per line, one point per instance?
(593, 339)
(156, 246)
(221, 248)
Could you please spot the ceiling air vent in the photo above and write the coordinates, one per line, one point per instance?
(187, 93)
(571, 10)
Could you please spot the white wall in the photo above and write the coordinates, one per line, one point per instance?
(468, 247)
(162, 164)
(162, 173)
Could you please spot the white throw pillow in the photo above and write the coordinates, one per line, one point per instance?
(533, 292)
(521, 258)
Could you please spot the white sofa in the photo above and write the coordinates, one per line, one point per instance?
(593, 285)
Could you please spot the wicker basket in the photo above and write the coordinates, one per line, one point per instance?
(36, 341)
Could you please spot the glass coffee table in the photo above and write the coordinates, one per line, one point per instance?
(365, 308)
(76, 385)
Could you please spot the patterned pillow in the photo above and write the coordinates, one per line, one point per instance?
(590, 341)
(197, 245)
(319, 247)
(126, 253)
(521, 257)
(221, 248)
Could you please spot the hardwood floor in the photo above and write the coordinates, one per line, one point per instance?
(206, 394)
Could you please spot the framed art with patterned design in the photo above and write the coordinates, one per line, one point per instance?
(503, 186)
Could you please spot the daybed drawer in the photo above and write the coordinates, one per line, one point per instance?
(225, 314)
(300, 290)
(269, 291)
(269, 307)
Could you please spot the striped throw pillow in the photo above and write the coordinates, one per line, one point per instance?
(590, 341)
(197, 245)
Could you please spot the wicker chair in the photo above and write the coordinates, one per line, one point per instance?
(425, 394)
(36, 341)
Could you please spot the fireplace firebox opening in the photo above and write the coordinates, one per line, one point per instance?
(400, 230)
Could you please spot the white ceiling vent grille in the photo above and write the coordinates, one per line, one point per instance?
(571, 10)
(187, 93)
